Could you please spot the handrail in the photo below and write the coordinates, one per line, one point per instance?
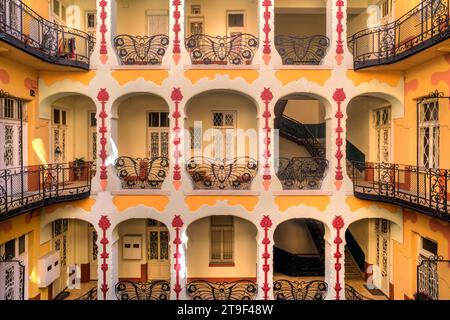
(32, 187)
(420, 189)
(22, 27)
(418, 29)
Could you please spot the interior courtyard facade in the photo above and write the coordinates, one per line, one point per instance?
(224, 150)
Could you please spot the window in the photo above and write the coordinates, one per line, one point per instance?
(59, 117)
(429, 247)
(382, 128)
(56, 7)
(92, 119)
(385, 8)
(428, 278)
(224, 134)
(221, 239)
(12, 109)
(10, 248)
(235, 23)
(429, 133)
(158, 134)
(91, 22)
(196, 135)
(59, 10)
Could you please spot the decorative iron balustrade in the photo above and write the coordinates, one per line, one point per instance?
(233, 174)
(32, 187)
(22, 27)
(12, 278)
(420, 28)
(428, 277)
(419, 189)
(238, 49)
(296, 50)
(90, 295)
(300, 290)
(352, 294)
(141, 173)
(151, 290)
(235, 290)
(141, 50)
(301, 173)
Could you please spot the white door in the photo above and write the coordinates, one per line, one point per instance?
(382, 274)
(60, 242)
(59, 135)
(158, 24)
(158, 251)
(382, 128)
(158, 134)
(224, 135)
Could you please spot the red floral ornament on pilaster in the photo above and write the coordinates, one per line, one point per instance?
(267, 97)
(339, 30)
(176, 29)
(104, 224)
(338, 224)
(103, 97)
(266, 223)
(176, 97)
(266, 29)
(177, 223)
(103, 30)
(339, 97)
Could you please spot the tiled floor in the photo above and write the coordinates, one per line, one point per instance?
(357, 284)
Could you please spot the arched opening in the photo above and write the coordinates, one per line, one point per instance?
(222, 148)
(302, 131)
(301, 35)
(69, 269)
(145, 41)
(221, 259)
(143, 160)
(369, 140)
(221, 32)
(142, 260)
(299, 260)
(369, 259)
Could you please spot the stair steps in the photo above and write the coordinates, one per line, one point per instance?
(351, 268)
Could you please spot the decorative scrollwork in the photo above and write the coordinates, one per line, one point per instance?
(295, 50)
(352, 294)
(141, 50)
(152, 290)
(302, 173)
(237, 173)
(141, 173)
(303, 290)
(236, 50)
(236, 290)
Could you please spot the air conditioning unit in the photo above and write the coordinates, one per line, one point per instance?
(49, 268)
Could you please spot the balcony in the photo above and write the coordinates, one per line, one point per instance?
(227, 174)
(141, 50)
(222, 50)
(298, 50)
(33, 187)
(419, 189)
(23, 28)
(233, 290)
(419, 29)
(302, 173)
(141, 173)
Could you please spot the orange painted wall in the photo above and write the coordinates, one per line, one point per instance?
(405, 256)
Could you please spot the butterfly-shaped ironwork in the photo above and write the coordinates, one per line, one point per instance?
(300, 290)
(141, 173)
(236, 290)
(151, 290)
(295, 50)
(141, 50)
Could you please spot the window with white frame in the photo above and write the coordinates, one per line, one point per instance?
(58, 11)
(221, 239)
(428, 278)
(224, 134)
(158, 134)
(385, 8)
(235, 22)
(158, 22)
(90, 22)
(429, 134)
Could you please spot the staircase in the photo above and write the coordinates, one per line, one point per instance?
(316, 229)
(351, 268)
(297, 132)
(295, 265)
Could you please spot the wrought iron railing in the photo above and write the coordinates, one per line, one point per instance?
(90, 295)
(420, 28)
(151, 290)
(238, 49)
(141, 173)
(235, 290)
(22, 27)
(141, 50)
(299, 133)
(301, 173)
(352, 294)
(300, 290)
(227, 174)
(420, 189)
(13, 283)
(296, 50)
(32, 187)
(427, 274)
(298, 265)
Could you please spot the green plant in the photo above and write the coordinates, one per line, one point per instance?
(78, 162)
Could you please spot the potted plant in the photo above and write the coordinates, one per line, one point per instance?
(77, 166)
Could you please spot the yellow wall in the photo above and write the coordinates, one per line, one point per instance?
(293, 236)
(300, 24)
(136, 11)
(244, 251)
